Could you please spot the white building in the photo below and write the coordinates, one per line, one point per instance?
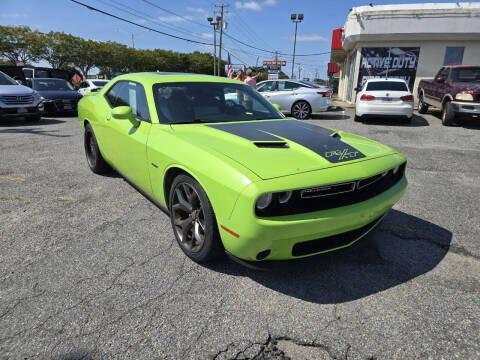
(411, 41)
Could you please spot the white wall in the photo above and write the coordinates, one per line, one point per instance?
(431, 58)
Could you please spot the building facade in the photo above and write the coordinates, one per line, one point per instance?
(409, 41)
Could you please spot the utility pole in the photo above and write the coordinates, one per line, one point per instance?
(221, 23)
(296, 18)
(133, 40)
(214, 24)
(299, 71)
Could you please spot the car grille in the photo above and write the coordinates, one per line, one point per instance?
(16, 99)
(335, 195)
(331, 242)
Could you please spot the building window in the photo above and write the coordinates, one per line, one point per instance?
(453, 55)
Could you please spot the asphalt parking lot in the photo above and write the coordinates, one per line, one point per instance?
(89, 268)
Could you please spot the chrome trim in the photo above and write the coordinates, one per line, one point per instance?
(303, 196)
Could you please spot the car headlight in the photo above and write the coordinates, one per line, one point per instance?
(284, 197)
(465, 96)
(264, 200)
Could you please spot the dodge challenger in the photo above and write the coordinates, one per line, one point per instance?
(234, 175)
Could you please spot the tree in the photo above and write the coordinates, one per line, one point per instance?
(87, 53)
(61, 49)
(21, 44)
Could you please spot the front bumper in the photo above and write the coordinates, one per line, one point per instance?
(283, 236)
(467, 108)
(21, 111)
(61, 106)
(364, 108)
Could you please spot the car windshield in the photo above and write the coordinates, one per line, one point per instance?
(386, 85)
(190, 102)
(466, 74)
(51, 84)
(6, 80)
(99, 83)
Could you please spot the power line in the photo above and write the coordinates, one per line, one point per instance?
(175, 14)
(139, 25)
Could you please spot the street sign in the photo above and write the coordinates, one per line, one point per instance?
(270, 63)
(273, 76)
(236, 67)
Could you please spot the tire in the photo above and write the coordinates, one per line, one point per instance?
(301, 110)
(193, 220)
(422, 107)
(448, 115)
(357, 118)
(95, 160)
(34, 117)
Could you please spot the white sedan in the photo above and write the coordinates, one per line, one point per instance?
(93, 84)
(384, 98)
(299, 98)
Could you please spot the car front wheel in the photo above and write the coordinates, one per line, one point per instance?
(95, 160)
(193, 220)
(448, 114)
(301, 110)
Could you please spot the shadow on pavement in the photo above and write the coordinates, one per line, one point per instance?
(26, 122)
(467, 123)
(417, 121)
(401, 248)
(327, 116)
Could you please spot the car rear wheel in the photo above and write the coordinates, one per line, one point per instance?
(301, 110)
(95, 160)
(193, 221)
(422, 107)
(448, 114)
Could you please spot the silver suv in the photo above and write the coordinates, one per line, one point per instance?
(18, 101)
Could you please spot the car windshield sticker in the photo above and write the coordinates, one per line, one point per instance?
(315, 138)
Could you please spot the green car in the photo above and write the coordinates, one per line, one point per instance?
(233, 173)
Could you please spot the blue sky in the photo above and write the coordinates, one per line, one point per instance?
(263, 23)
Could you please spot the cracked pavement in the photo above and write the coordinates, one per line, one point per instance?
(89, 268)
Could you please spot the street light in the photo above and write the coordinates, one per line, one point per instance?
(214, 24)
(296, 18)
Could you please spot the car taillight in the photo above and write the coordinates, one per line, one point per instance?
(366, 97)
(324, 93)
(408, 98)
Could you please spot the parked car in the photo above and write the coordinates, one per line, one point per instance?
(91, 85)
(298, 98)
(60, 97)
(455, 90)
(237, 176)
(384, 98)
(18, 101)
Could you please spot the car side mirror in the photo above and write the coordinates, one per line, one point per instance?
(277, 107)
(440, 80)
(122, 112)
(19, 82)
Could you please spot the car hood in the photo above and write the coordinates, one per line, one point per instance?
(283, 147)
(15, 90)
(466, 86)
(61, 94)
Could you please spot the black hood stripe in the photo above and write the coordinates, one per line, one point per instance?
(315, 138)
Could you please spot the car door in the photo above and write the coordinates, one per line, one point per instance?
(266, 88)
(126, 139)
(284, 94)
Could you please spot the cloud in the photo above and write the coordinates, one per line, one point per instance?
(207, 36)
(310, 37)
(174, 19)
(254, 5)
(197, 10)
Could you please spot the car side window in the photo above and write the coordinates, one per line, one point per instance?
(442, 74)
(266, 86)
(127, 93)
(287, 86)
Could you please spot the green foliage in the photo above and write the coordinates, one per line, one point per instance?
(62, 51)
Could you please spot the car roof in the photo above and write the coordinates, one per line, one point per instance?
(168, 77)
(461, 66)
(386, 79)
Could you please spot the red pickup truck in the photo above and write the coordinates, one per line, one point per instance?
(455, 90)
